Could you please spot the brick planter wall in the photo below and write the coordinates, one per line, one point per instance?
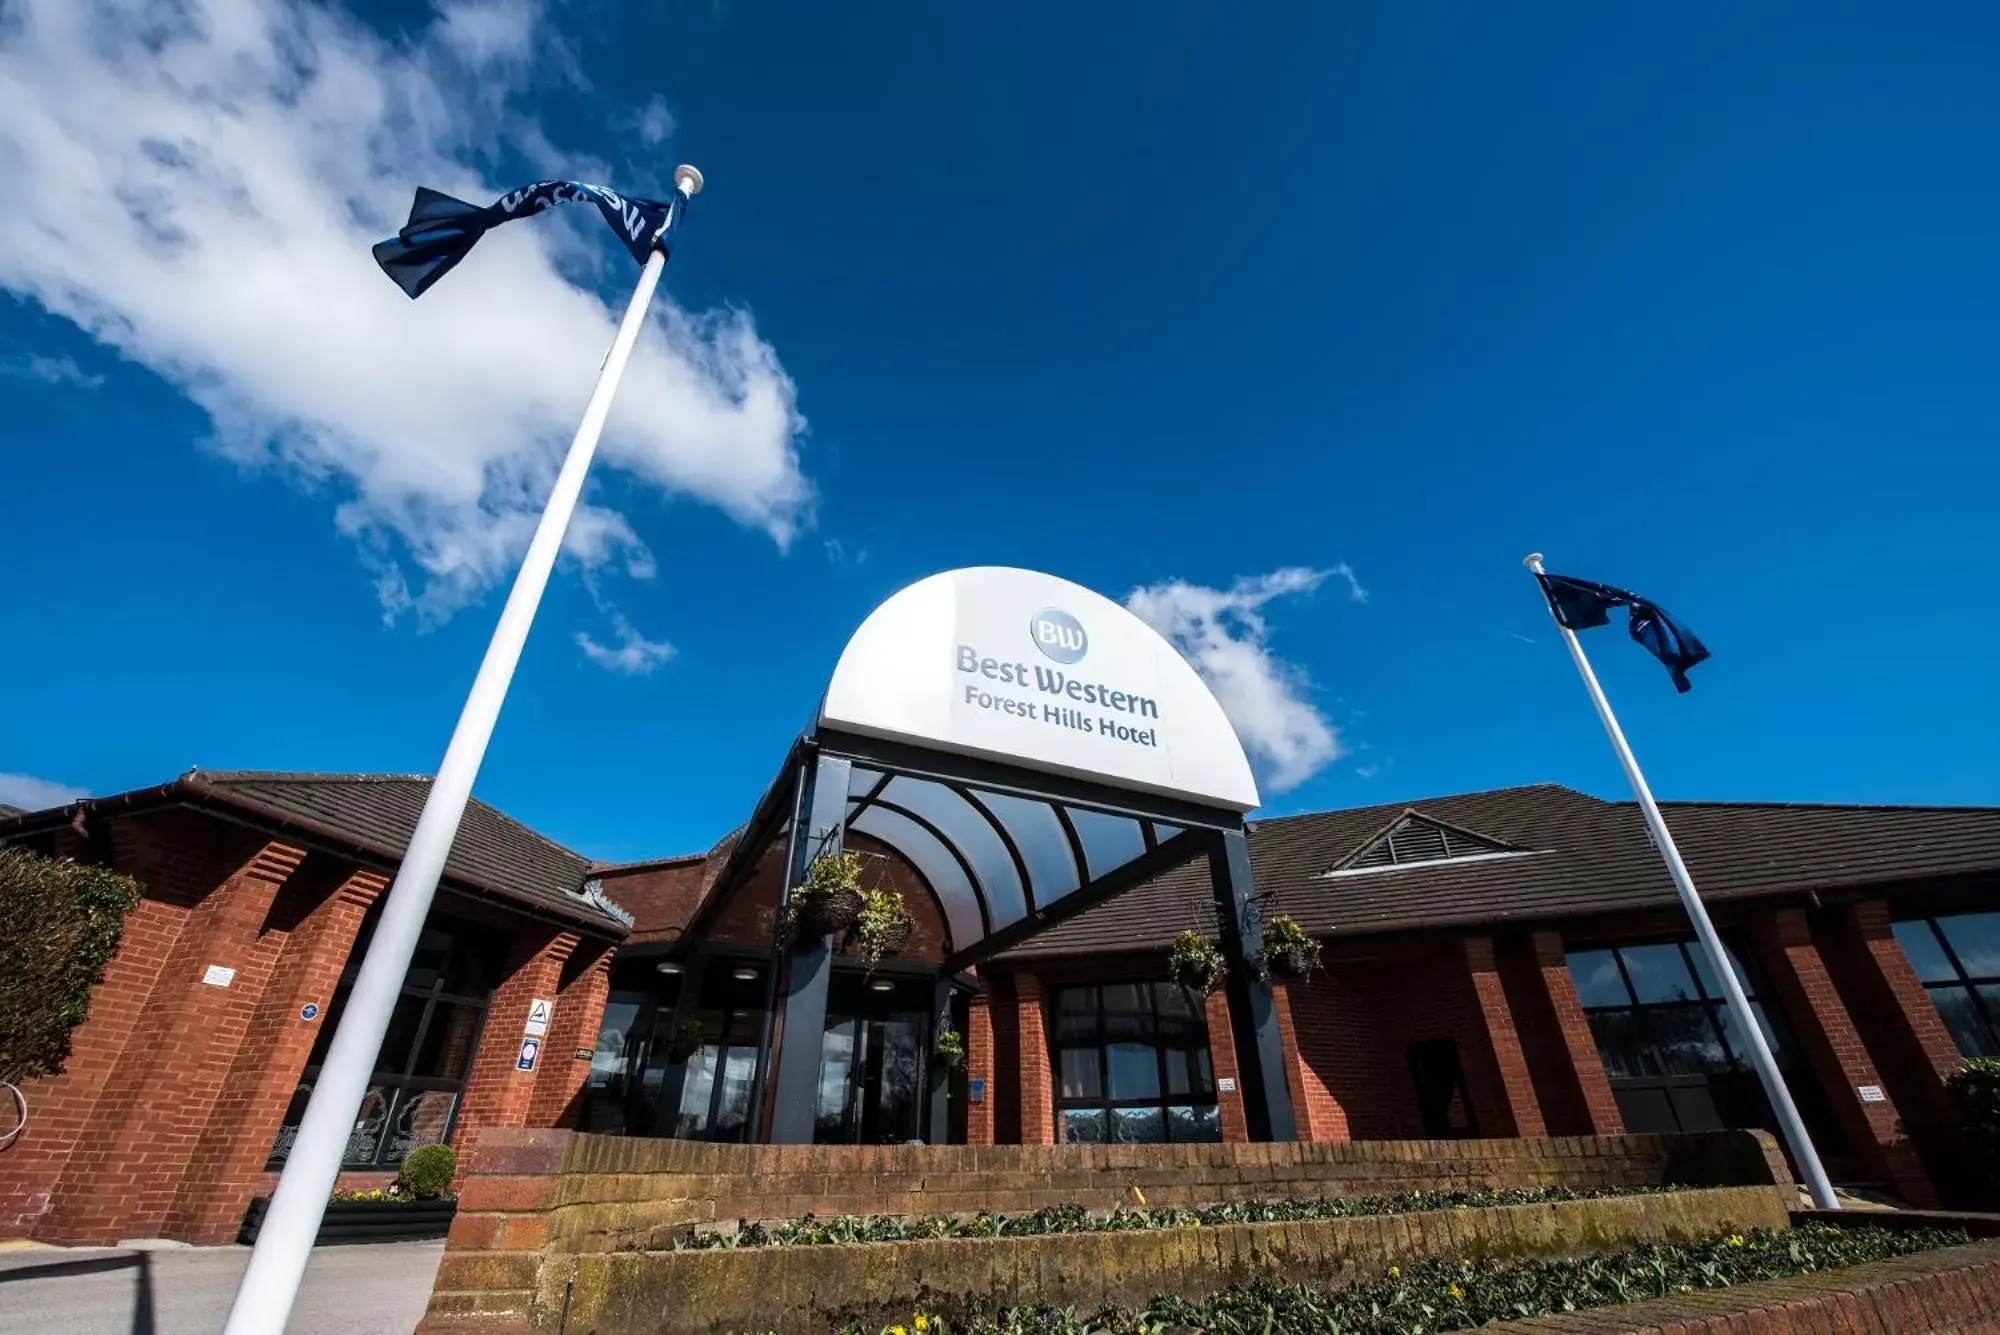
(796, 1290)
(529, 1199)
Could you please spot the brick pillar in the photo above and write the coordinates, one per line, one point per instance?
(579, 1014)
(1222, 1058)
(1298, 1074)
(60, 1108)
(227, 1166)
(1586, 1065)
(1824, 1029)
(1516, 1084)
(1913, 1012)
(1038, 1107)
(496, 1094)
(979, 1065)
(122, 1178)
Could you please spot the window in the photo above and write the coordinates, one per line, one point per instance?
(1958, 958)
(1414, 842)
(420, 1071)
(1658, 1010)
(1132, 1066)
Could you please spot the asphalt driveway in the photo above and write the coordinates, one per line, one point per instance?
(360, 1290)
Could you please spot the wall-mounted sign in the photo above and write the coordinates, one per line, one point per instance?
(1871, 1093)
(582, 1055)
(539, 1011)
(218, 975)
(1040, 672)
(309, 1012)
(531, 1052)
(1226, 1085)
(975, 1090)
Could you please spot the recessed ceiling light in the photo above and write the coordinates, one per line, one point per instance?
(744, 975)
(882, 985)
(668, 966)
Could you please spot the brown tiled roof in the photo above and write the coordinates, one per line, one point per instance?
(1586, 857)
(379, 812)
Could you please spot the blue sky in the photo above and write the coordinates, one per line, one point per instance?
(1228, 304)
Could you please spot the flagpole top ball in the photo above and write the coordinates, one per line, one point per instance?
(687, 180)
(1531, 560)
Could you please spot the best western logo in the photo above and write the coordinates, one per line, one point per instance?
(1058, 635)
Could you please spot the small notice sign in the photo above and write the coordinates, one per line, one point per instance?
(309, 1012)
(218, 975)
(531, 1052)
(975, 1090)
(539, 1011)
(1226, 1085)
(1871, 1093)
(583, 1054)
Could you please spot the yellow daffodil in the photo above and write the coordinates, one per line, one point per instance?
(1395, 1272)
(1455, 1291)
(1140, 1196)
(1736, 1239)
(897, 1330)
(923, 1323)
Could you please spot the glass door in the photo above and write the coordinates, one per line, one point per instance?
(873, 1067)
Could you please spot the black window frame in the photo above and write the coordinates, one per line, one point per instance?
(1202, 1095)
(1714, 1006)
(399, 1083)
(1963, 981)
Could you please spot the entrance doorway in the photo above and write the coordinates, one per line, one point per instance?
(874, 1062)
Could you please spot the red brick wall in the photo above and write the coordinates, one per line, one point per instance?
(749, 916)
(496, 1094)
(980, 1064)
(1584, 1065)
(660, 896)
(1500, 1040)
(1345, 1057)
(578, 1016)
(1031, 1069)
(1222, 1057)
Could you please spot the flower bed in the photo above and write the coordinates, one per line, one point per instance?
(1441, 1295)
(812, 1232)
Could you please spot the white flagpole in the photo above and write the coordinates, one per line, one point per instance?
(1744, 1021)
(271, 1284)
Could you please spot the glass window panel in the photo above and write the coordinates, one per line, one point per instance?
(1178, 1081)
(1044, 846)
(449, 1040)
(1658, 973)
(935, 862)
(1178, 1015)
(1961, 1014)
(902, 1064)
(836, 1067)
(1204, 1078)
(1082, 1073)
(1621, 1042)
(1076, 1015)
(696, 1092)
(733, 1109)
(1738, 1050)
(610, 1062)
(974, 837)
(1128, 1010)
(399, 1044)
(327, 1022)
(420, 1117)
(1083, 1126)
(1135, 1071)
(1975, 939)
(1199, 1124)
(1685, 1042)
(1138, 1126)
(1109, 842)
(371, 1123)
(1921, 947)
(1709, 983)
(1595, 973)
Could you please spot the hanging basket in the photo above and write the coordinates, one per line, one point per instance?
(894, 937)
(1196, 964)
(882, 928)
(1289, 953)
(1293, 963)
(829, 912)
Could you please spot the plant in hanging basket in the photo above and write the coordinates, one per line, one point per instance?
(1196, 963)
(951, 1048)
(829, 899)
(685, 1041)
(883, 926)
(1288, 951)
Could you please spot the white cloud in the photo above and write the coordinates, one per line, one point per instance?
(1355, 592)
(1222, 632)
(633, 653)
(202, 183)
(32, 794)
(50, 370)
(655, 121)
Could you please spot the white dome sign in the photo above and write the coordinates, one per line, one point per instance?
(1033, 670)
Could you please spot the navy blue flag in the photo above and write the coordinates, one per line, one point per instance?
(442, 230)
(1580, 605)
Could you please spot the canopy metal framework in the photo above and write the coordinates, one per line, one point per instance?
(1007, 852)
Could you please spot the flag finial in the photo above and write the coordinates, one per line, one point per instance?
(1532, 560)
(687, 180)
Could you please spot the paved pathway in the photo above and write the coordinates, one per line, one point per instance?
(359, 1290)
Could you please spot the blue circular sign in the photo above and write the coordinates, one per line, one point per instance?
(309, 1011)
(1058, 635)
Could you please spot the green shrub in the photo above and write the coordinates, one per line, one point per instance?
(1975, 1097)
(427, 1171)
(1440, 1295)
(59, 924)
